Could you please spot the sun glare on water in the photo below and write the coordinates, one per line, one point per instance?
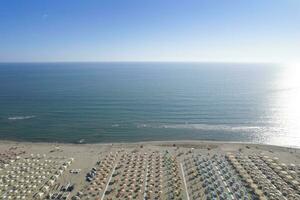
(287, 101)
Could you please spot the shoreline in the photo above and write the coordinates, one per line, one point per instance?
(156, 142)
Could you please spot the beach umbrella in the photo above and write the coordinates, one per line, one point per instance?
(295, 182)
(283, 165)
(283, 173)
(293, 173)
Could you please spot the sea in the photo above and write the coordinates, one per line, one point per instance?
(149, 101)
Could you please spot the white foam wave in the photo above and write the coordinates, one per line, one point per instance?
(214, 127)
(21, 117)
(204, 127)
(144, 126)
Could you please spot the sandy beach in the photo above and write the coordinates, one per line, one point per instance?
(76, 162)
(86, 157)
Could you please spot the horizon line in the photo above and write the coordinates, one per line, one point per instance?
(165, 61)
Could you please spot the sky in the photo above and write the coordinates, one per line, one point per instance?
(150, 30)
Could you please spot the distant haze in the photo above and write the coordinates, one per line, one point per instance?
(154, 30)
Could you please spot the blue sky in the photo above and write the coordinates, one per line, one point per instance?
(150, 30)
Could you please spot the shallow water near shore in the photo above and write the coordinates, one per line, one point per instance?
(131, 102)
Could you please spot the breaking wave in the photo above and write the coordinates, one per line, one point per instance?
(21, 117)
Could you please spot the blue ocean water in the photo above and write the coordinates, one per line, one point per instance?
(129, 102)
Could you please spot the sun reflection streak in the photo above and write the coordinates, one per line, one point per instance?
(287, 104)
